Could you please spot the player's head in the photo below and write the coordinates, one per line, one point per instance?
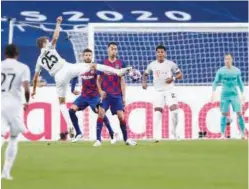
(160, 53)
(11, 51)
(42, 42)
(87, 55)
(112, 50)
(228, 59)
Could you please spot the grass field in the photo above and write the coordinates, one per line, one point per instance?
(167, 165)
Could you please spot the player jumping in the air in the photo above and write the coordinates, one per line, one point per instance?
(112, 91)
(15, 75)
(62, 71)
(165, 73)
(89, 97)
(230, 77)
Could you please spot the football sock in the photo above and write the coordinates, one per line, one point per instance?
(10, 155)
(158, 125)
(66, 115)
(175, 118)
(123, 129)
(223, 124)
(241, 124)
(99, 128)
(74, 119)
(108, 126)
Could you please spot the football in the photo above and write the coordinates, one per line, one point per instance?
(134, 75)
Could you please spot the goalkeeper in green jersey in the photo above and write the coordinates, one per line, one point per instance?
(230, 78)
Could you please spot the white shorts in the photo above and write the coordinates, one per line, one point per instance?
(12, 118)
(66, 74)
(165, 97)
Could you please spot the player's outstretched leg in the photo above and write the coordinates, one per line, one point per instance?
(124, 129)
(241, 122)
(74, 119)
(10, 156)
(109, 128)
(119, 72)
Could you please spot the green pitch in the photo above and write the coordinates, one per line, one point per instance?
(167, 165)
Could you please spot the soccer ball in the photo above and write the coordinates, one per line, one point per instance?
(134, 75)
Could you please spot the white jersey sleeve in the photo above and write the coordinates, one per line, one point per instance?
(148, 69)
(174, 68)
(26, 74)
(49, 60)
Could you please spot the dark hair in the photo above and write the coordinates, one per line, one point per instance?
(11, 51)
(161, 47)
(228, 54)
(87, 50)
(112, 43)
(40, 41)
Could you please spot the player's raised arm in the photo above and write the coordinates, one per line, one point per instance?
(56, 31)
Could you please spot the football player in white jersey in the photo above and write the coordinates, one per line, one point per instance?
(62, 71)
(14, 76)
(165, 73)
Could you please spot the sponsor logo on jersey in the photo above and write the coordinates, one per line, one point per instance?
(88, 75)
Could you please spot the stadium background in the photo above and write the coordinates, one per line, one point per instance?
(197, 12)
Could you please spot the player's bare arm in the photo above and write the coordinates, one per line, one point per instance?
(56, 31)
(26, 94)
(35, 81)
(101, 92)
(178, 76)
(123, 89)
(144, 80)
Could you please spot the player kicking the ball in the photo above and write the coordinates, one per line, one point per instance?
(62, 71)
(230, 77)
(89, 97)
(15, 75)
(112, 91)
(165, 73)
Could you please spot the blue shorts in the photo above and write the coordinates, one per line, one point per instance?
(84, 102)
(235, 103)
(114, 102)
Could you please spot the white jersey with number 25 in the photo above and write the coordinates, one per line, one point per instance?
(50, 60)
(162, 71)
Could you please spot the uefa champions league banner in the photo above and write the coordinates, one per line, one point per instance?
(44, 120)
